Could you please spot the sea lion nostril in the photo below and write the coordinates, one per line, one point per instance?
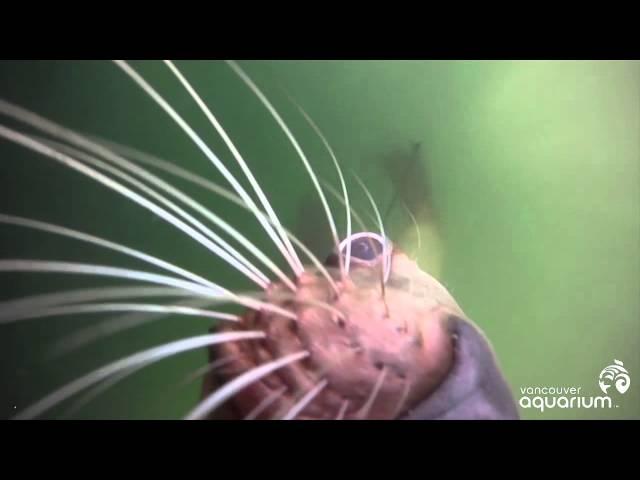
(379, 365)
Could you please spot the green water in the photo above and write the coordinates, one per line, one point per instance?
(527, 192)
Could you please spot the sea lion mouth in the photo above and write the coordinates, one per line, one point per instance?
(373, 352)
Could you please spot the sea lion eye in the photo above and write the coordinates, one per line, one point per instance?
(368, 249)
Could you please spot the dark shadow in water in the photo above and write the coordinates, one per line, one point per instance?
(312, 226)
(408, 175)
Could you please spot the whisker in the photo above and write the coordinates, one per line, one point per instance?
(234, 386)
(313, 302)
(364, 411)
(343, 200)
(316, 262)
(117, 378)
(19, 265)
(323, 305)
(219, 246)
(84, 336)
(236, 154)
(75, 164)
(252, 86)
(403, 398)
(59, 230)
(116, 307)
(162, 103)
(218, 190)
(415, 223)
(265, 403)
(373, 205)
(58, 131)
(364, 228)
(306, 400)
(258, 305)
(206, 369)
(65, 159)
(148, 356)
(212, 217)
(386, 258)
(88, 295)
(343, 410)
(318, 132)
(100, 388)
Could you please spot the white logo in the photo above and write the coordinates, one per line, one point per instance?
(614, 373)
(562, 396)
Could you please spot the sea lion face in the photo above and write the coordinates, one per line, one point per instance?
(383, 345)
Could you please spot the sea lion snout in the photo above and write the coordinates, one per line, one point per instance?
(380, 345)
(379, 352)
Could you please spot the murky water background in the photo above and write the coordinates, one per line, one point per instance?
(526, 187)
